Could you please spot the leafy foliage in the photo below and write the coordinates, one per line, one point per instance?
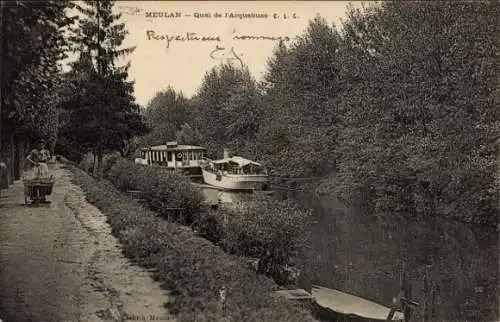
(161, 191)
(33, 43)
(302, 90)
(272, 231)
(188, 135)
(226, 110)
(102, 115)
(421, 123)
(165, 115)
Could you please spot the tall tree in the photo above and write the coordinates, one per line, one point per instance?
(100, 33)
(31, 74)
(302, 93)
(188, 135)
(421, 122)
(244, 110)
(32, 44)
(165, 114)
(104, 115)
(226, 112)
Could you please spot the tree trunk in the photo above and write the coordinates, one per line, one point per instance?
(11, 155)
(17, 157)
(7, 155)
(1, 71)
(99, 164)
(22, 153)
(94, 168)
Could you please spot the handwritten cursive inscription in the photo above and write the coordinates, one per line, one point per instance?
(220, 53)
(253, 37)
(186, 37)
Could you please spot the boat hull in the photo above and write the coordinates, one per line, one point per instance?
(334, 305)
(235, 182)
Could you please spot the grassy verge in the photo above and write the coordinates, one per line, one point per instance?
(191, 267)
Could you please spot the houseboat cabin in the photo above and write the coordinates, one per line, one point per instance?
(173, 156)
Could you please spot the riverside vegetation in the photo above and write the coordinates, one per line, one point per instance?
(396, 112)
(195, 268)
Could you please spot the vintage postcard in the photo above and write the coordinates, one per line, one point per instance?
(249, 161)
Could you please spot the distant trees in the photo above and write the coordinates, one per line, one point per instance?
(103, 114)
(188, 135)
(226, 109)
(165, 114)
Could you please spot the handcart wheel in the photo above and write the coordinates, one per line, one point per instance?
(26, 191)
(37, 197)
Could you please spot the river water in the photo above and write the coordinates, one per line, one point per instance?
(364, 255)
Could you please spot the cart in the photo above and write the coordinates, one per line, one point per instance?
(36, 190)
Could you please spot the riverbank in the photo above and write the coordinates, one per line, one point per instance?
(192, 268)
(363, 254)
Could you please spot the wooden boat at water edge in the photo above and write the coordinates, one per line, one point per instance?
(346, 307)
(333, 305)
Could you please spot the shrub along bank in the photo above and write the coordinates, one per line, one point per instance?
(271, 231)
(274, 232)
(162, 193)
(191, 267)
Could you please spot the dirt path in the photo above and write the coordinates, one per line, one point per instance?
(59, 262)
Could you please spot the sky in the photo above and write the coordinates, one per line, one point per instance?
(209, 33)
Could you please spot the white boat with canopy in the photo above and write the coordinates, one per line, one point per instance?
(235, 173)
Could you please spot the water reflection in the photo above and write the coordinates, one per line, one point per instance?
(363, 255)
(213, 195)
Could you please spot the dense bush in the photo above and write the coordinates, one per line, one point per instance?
(108, 161)
(123, 174)
(192, 268)
(87, 162)
(168, 194)
(274, 232)
(210, 225)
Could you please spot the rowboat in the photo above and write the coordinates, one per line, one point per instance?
(337, 304)
(333, 305)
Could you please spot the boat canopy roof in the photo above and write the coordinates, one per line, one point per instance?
(239, 160)
(173, 148)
